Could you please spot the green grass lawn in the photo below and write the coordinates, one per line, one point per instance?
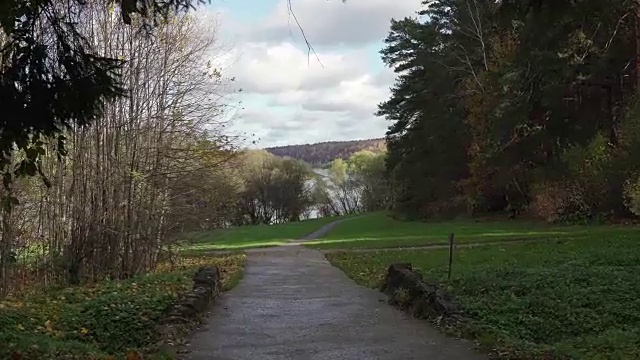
(558, 299)
(376, 230)
(106, 320)
(256, 236)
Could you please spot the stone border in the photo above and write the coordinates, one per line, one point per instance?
(408, 291)
(186, 312)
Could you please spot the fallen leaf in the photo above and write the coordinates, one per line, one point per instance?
(133, 355)
(47, 326)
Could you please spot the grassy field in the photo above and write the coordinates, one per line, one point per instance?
(105, 321)
(252, 236)
(558, 299)
(375, 231)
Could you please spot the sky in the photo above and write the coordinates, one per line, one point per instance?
(291, 98)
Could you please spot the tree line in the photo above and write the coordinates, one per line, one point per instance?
(264, 189)
(321, 154)
(520, 106)
(110, 195)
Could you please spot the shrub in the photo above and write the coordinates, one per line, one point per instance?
(559, 201)
(591, 167)
(631, 195)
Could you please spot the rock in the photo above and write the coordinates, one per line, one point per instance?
(408, 290)
(207, 277)
(395, 276)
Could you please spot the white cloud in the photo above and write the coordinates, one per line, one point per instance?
(307, 103)
(274, 68)
(355, 22)
(301, 127)
(302, 103)
(291, 97)
(358, 97)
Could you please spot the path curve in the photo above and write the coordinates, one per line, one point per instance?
(320, 232)
(292, 304)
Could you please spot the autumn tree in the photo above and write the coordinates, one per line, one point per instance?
(356, 185)
(367, 170)
(272, 189)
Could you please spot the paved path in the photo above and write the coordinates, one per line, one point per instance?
(292, 304)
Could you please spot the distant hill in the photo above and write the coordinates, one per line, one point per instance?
(323, 153)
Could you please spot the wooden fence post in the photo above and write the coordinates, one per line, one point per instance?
(450, 254)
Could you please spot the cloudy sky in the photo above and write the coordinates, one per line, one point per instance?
(289, 98)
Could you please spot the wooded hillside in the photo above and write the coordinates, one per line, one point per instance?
(325, 152)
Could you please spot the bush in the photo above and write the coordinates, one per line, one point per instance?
(631, 195)
(591, 168)
(559, 201)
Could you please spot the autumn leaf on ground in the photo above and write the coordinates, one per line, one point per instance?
(134, 355)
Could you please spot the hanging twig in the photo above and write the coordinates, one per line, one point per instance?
(310, 48)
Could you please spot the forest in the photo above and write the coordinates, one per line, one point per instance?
(321, 154)
(529, 107)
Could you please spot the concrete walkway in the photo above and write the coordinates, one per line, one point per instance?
(292, 304)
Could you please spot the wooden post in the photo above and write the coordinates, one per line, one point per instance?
(450, 254)
(636, 10)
